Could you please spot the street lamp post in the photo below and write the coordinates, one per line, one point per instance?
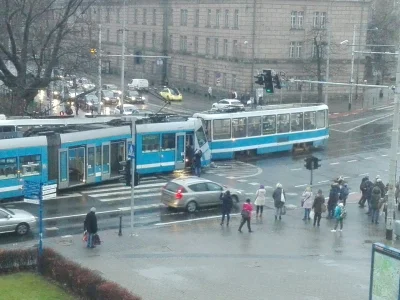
(123, 59)
(352, 67)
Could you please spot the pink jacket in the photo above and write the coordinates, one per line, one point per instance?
(248, 207)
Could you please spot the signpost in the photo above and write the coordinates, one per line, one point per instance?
(385, 273)
(131, 156)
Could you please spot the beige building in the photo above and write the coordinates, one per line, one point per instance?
(223, 44)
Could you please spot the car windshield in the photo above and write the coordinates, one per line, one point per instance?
(133, 93)
(7, 211)
(91, 98)
(112, 87)
(235, 102)
(129, 108)
(108, 94)
(174, 91)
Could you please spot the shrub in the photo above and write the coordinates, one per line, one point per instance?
(111, 291)
(18, 260)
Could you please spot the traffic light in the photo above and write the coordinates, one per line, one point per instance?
(260, 79)
(316, 164)
(93, 51)
(268, 82)
(309, 163)
(277, 82)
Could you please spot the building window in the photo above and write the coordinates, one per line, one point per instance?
(300, 19)
(216, 47)
(196, 44)
(183, 43)
(208, 46)
(154, 16)
(108, 35)
(235, 47)
(98, 16)
(236, 19)
(153, 40)
(184, 14)
(108, 15)
(226, 18)
(208, 24)
(316, 20)
(225, 47)
(135, 38)
(234, 82)
(144, 40)
(135, 16)
(171, 17)
(217, 17)
(206, 77)
(293, 19)
(196, 18)
(118, 15)
(322, 20)
(217, 78)
(144, 16)
(170, 42)
(195, 70)
(292, 49)
(297, 19)
(299, 49)
(314, 52)
(224, 80)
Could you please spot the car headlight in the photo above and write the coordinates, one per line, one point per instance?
(90, 104)
(133, 98)
(106, 98)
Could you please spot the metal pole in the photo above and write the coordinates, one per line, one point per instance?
(359, 43)
(352, 67)
(123, 60)
(328, 50)
(40, 226)
(51, 93)
(133, 163)
(99, 73)
(393, 156)
(311, 180)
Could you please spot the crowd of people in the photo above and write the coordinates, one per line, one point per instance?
(373, 193)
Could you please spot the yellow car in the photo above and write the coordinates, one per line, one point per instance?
(171, 94)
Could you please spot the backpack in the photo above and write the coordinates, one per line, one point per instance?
(343, 212)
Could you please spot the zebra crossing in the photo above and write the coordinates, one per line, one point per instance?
(148, 189)
(234, 170)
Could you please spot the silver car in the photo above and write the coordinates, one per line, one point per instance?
(16, 220)
(192, 193)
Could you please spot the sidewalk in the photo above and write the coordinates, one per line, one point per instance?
(199, 259)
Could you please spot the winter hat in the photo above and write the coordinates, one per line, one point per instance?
(278, 185)
(377, 177)
(261, 186)
(93, 209)
(319, 191)
(248, 200)
(341, 204)
(378, 180)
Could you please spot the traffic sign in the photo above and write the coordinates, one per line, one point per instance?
(32, 190)
(131, 151)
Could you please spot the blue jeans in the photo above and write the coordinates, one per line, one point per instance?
(375, 215)
(90, 240)
(197, 171)
(307, 213)
(369, 206)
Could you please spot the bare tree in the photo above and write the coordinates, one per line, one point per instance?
(35, 35)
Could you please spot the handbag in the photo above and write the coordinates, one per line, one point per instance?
(323, 207)
(245, 214)
(96, 239)
(312, 214)
(283, 210)
(283, 197)
(85, 236)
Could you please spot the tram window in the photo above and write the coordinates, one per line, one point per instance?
(151, 143)
(8, 168)
(283, 123)
(269, 125)
(309, 120)
(222, 129)
(98, 155)
(320, 119)
(207, 129)
(254, 126)
(297, 122)
(168, 141)
(201, 137)
(239, 127)
(29, 165)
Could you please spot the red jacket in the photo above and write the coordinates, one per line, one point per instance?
(248, 207)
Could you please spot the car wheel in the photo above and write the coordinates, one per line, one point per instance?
(191, 207)
(22, 229)
(235, 199)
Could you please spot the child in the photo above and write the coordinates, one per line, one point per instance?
(340, 214)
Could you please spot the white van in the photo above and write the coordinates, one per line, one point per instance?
(139, 84)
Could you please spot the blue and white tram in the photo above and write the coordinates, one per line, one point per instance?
(270, 129)
(93, 154)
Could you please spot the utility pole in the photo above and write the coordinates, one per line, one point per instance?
(328, 49)
(352, 67)
(99, 75)
(359, 43)
(123, 59)
(393, 155)
(51, 93)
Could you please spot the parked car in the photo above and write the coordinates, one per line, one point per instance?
(172, 94)
(16, 220)
(192, 193)
(112, 87)
(139, 84)
(227, 104)
(108, 97)
(90, 100)
(134, 97)
(128, 109)
(73, 93)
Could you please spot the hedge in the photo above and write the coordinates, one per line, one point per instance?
(81, 281)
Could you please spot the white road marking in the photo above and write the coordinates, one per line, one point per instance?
(242, 180)
(127, 197)
(383, 155)
(370, 157)
(335, 163)
(353, 193)
(192, 220)
(363, 174)
(353, 160)
(254, 183)
(51, 228)
(298, 169)
(291, 194)
(369, 122)
(231, 177)
(249, 193)
(323, 181)
(268, 187)
(300, 185)
(346, 177)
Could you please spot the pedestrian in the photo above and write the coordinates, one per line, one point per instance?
(197, 162)
(90, 225)
(76, 107)
(340, 214)
(344, 193)
(317, 206)
(363, 189)
(246, 215)
(333, 199)
(306, 202)
(92, 108)
(210, 92)
(260, 200)
(227, 204)
(375, 198)
(368, 194)
(381, 185)
(279, 197)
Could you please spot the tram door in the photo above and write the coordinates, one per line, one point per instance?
(63, 170)
(90, 164)
(180, 151)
